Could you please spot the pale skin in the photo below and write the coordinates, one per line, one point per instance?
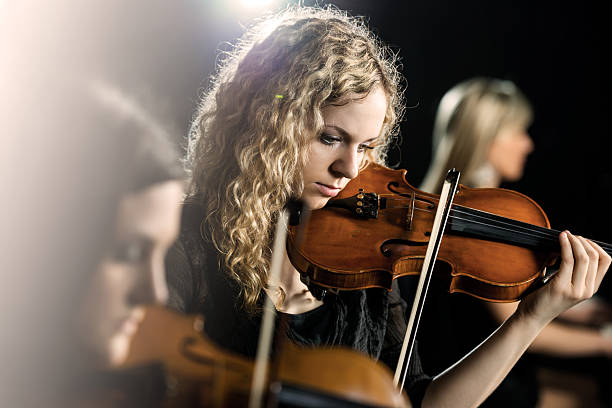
(507, 155)
(335, 158)
(131, 274)
(508, 152)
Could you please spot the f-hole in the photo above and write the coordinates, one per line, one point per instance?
(394, 245)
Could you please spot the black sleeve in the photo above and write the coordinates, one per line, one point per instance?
(185, 262)
(179, 278)
(416, 380)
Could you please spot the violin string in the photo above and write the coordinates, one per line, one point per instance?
(546, 233)
(509, 229)
(487, 219)
(509, 224)
(534, 231)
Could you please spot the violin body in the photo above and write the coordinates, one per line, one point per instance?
(198, 373)
(342, 249)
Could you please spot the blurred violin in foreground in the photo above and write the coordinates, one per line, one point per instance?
(496, 245)
(199, 373)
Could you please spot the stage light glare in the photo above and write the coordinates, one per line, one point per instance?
(253, 4)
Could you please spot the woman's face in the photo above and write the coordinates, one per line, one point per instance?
(509, 151)
(334, 156)
(131, 275)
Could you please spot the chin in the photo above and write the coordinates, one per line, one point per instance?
(513, 177)
(118, 349)
(315, 203)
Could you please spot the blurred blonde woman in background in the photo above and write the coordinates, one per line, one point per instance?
(481, 129)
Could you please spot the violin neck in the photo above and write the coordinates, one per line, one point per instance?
(480, 224)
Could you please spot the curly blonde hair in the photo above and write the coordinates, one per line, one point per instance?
(249, 140)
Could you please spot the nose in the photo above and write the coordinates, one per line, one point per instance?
(158, 278)
(151, 287)
(347, 164)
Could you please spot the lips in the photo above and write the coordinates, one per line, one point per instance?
(125, 325)
(328, 191)
(130, 323)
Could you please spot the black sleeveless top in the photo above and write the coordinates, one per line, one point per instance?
(371, 321)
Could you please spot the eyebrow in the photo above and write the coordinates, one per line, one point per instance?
(344, 133)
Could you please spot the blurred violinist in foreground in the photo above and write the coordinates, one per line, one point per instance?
(130, 274)
(307, 99)
(101, 246)
(481, 129)
(91, 194)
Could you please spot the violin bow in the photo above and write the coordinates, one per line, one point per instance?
(449, 189)
(269, 313)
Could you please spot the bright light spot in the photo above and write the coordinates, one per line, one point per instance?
(252, 4)
(246, 10)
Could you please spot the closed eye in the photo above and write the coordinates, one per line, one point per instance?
(132, 251)
(363, 148)
(328, 139)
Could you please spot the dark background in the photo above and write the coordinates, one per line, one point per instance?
(554, 52)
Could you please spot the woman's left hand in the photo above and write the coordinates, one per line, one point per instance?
(583, 266)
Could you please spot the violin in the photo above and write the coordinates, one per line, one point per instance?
(201, 374)
(496, 245)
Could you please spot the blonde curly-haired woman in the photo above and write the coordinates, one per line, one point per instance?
(306, 99)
